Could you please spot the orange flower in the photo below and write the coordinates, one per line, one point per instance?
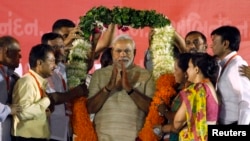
(82, 126)
(164, 91)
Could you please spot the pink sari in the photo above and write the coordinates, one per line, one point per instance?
(195, 100)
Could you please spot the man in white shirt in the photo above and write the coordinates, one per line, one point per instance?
(59, 121)
(233, 88)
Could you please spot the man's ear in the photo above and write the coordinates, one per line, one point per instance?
(5, 50)
(8, 52)
(39, 62)
(205, 46)
(226, 43)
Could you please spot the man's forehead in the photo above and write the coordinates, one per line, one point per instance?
(194, 36)
(50, 55)
(123, 43)
(66, 29)
(215, 36)
(14, 46)
(56, 41)
(123, 46)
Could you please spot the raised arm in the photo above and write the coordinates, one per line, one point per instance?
(95, 103)
(105, 40)
(179, 42)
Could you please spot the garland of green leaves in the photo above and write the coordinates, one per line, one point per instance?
(161, 44)
(161, 51)
(122, 16)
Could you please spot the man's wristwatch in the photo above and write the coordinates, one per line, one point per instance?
(106, 89)
(130, 92)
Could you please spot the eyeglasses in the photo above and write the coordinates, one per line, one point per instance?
(50, 60)
(58, 47)
(127, 51)
(195, 42)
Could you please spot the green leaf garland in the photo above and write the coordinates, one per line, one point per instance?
(122, 16)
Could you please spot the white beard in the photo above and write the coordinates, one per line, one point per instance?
(127, 62)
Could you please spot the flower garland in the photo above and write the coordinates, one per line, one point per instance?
(76, 73)
(96, 20)
(83, 128)
(164, 91)
(77, 67)
(161, 50)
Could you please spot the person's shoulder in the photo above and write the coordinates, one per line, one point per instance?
(144, 73)
(103, 70)
(26, 77)
(236, 62)
(25, 80)
(240, 60)
(143, 70)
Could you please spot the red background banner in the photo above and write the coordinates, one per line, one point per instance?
(27, 20)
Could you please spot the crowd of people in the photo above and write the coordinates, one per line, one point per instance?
(210, 89)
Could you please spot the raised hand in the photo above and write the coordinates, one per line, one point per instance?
(245, 71)
(74, 34)
(15, 109)
(125, 83)
(112, 82)
(162, 109)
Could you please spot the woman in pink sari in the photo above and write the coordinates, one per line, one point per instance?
(199, 106)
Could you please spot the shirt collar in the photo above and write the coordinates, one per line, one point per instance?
(6, 70)
(223, 61)
(43, 82)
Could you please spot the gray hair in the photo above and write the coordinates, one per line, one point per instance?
(124, 37)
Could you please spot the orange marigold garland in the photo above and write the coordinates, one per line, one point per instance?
(83, 129)
(82, 126)
(164, 91)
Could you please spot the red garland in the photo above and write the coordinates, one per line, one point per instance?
(82, 126)
(164, 91)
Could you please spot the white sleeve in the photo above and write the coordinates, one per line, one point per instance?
(243, 89)
(4, 111)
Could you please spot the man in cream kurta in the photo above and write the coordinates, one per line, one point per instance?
(33, 121)
(120, 95)
(29, 92)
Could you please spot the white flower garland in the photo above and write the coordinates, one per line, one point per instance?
(161, 50)
(77, 67)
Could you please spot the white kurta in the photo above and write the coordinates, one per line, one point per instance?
(235, 93)
(59, 122)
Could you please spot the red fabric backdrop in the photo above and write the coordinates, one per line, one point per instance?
(27, 20)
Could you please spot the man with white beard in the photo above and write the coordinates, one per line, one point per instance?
(120, 94)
